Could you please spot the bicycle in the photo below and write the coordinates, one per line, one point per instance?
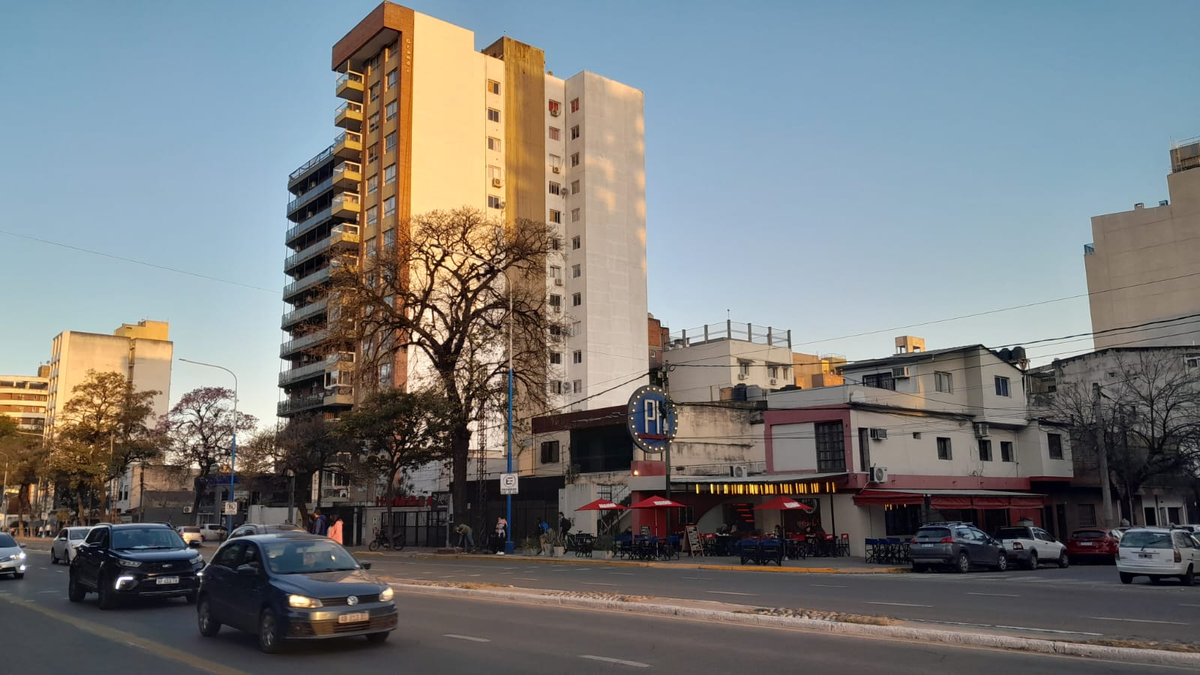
(381, 540)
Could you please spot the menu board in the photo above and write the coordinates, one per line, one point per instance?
(693, 536)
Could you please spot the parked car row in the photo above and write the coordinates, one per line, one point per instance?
(962, 546)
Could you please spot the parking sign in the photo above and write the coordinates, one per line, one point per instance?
(508, 483)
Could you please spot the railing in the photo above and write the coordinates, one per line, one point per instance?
(346, 198)
(298, 403)
(348, 105)
(348, 76)
(304, 312)
(311, 163)
(353, 136)
(318, 277)
(339, 394)
(302, 342)
(302, 372)
(337, 234)
(1089, 249)
(731, 330)
(342, 168)
(309, 223)
(310, 195)
(610, 522)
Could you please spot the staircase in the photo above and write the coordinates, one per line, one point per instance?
(610, 522)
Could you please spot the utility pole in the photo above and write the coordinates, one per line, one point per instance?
(1105, 481)
(666, 385)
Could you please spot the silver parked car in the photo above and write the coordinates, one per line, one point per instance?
(68, 539)
(12, 557)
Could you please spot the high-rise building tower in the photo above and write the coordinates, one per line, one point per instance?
(430, 123)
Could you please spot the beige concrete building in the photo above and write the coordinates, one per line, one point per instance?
(1144, 265)
(23, 400)
(721, 356)
(141, 352)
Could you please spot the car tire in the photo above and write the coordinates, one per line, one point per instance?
(108, 598)
(21, 575)
(75, 592)
(53, 558)
(963, 564)
(1063, 561)
(1032, 562)
(919, 568)
(190, 598)
(1126, 578)
(378, 638)
(1002, 562)
(209, 627)
(269, 640)
(1188, 579)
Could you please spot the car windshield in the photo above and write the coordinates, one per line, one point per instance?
(77, 534)
(933, 533)
(1012, 533)
(146, 539)
(306, 556)
(1087, 534)
(7, 541)
(1145, 539)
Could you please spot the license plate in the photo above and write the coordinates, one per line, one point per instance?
(1146, 556)
(355, 617)
(1086, 543)
(163, 581)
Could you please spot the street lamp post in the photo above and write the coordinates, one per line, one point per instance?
(233, 442)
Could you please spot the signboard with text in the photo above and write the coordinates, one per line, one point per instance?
(653, 421)
(508, 483)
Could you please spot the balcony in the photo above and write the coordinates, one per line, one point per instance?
(299, 404)
(306, 312)
(299, 344)
(307, 225)
(350, 86)
(310, 165)
(347, 175)
(339, 395)
(316, 191)
(305, 283)
(348, 145)
(346, 205)
(293, 375)
(349, 115)
(341, 237)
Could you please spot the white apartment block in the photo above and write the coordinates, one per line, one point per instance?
(720, 356)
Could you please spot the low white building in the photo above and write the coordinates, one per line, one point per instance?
(725, 355)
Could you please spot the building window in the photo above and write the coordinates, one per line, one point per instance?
(576, 243)
(389, 206)
(943, 447)
(372, 215)
(744, 368)
(393, 78)
(577, 386)
(574, 215)
(372, 122)
(576, 299)
(493, 143)
(493, 115)
(493, 202)
(389, 174)
(576, 328)
(1055, 443)
(944, 382)
(374, 92)
(831, 446)
(575, 159)
(389, 111)
(575, 187)
(555, 359)
(549, 452)
(556, 302)
(577, 356)
(555, 188)
(555, 272)
(389, 142)
(574, 105)
(576, 271)
(555, 216)
(575, 132)
(1002, 386)
(555, 244)
(556, 387)
(555, 162)
(985, 450)
(554, 108)
(385, 373)
(372, 183)
(493, 86)
(879, 381)
(555, 133)
(772, 372)
(787, 372)
(864, 449)
(1087, 515)
(389, 238)
(1006, 451)
(494, 173)
(372, 152)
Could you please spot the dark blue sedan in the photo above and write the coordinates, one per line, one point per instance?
(292, 586)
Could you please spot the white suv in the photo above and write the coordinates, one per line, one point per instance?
(212, 532)
(1031, 546)
(1158, 552)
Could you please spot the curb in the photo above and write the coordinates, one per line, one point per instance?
(668, 566)
(1005, 642)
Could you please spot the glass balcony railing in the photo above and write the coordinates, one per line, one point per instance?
(297, 315)
(293, 346)
(338, 234)
(316, 191)
(308, 224)
(303, 284)
(301, 373)
(349, 85)
(320, 157)
(300, 403)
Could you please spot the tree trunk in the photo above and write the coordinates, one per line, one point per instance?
(196, 503)
(460, 456)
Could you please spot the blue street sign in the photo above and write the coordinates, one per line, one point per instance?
(653, 421)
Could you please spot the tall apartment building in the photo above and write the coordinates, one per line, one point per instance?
(23, 400)
(1144, 265)
(430, 123)
(141, 352)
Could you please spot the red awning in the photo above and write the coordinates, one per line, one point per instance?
(945, 499)
(880, 497)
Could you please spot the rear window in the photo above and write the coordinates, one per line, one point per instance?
(1087, 534)
(1144, 539)
(933, 533)
(1012, 533)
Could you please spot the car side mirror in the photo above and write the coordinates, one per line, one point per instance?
(366, 565)
(193, 544)
(22, 545)
(247, 571)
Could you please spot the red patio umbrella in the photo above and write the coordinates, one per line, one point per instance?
(656, 502)
(601, 505)
(782, 503)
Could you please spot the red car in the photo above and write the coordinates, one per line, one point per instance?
(1094, 544)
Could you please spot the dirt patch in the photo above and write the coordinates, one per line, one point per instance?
(595, 595)
(817, 615)
(1185, 647)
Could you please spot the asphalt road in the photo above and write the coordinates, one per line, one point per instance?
(44, 632)
(1080, 602)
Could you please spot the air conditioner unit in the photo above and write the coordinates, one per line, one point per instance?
(901, 372)
(496, 182)
(742, 376)
(343, 494)
(879, 474)
(773, 380)
(878, 434)
(737, 471)
(554, 112)
(187, 509)
(981, 429)
(556, 310)
(558, 282)
(556, 169)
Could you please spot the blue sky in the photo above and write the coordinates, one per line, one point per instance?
(832, 168)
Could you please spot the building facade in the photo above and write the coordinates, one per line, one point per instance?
(720, 357)
(23, 400)
(1143, 265)
(430, 123)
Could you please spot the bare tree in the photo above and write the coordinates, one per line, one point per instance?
(201, 427)
(308, 445)
(446, 296)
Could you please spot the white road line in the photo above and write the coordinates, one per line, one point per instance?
(474, 575)
(623, 574)
(995, 595)
(1187, 605)
(898, 604)
(40, 592)
(699, 578)
(827, 586)
(732, 593)
(1112, 618)
(619, 662)
(595, 583)
(524, 578)
(468, 638)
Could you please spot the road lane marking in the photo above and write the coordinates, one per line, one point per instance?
(827, 586)
(699, 578)
(899, 604)
(524, 579)
(41, 592)
(995, 595)
(1113, 618)
(623, 574)
(619, 662)
(1187, 605)
(595, 583)
(733, 593)
(468, 638)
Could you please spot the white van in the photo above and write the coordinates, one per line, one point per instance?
(1158, 552)
(213, 532)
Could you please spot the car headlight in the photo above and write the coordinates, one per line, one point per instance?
(303, 602)
(129, 563)
(386, 594)
(198, 560)
(21, 555)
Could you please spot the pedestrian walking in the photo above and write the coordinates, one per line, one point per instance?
(564, 525)
(335, 528)
(543, 536)
(320, 524)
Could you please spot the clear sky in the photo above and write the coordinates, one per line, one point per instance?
(832, 168)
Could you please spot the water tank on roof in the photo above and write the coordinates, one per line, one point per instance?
(754, 392)
(739, 392)
(1006, 355)
(1018, 353)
